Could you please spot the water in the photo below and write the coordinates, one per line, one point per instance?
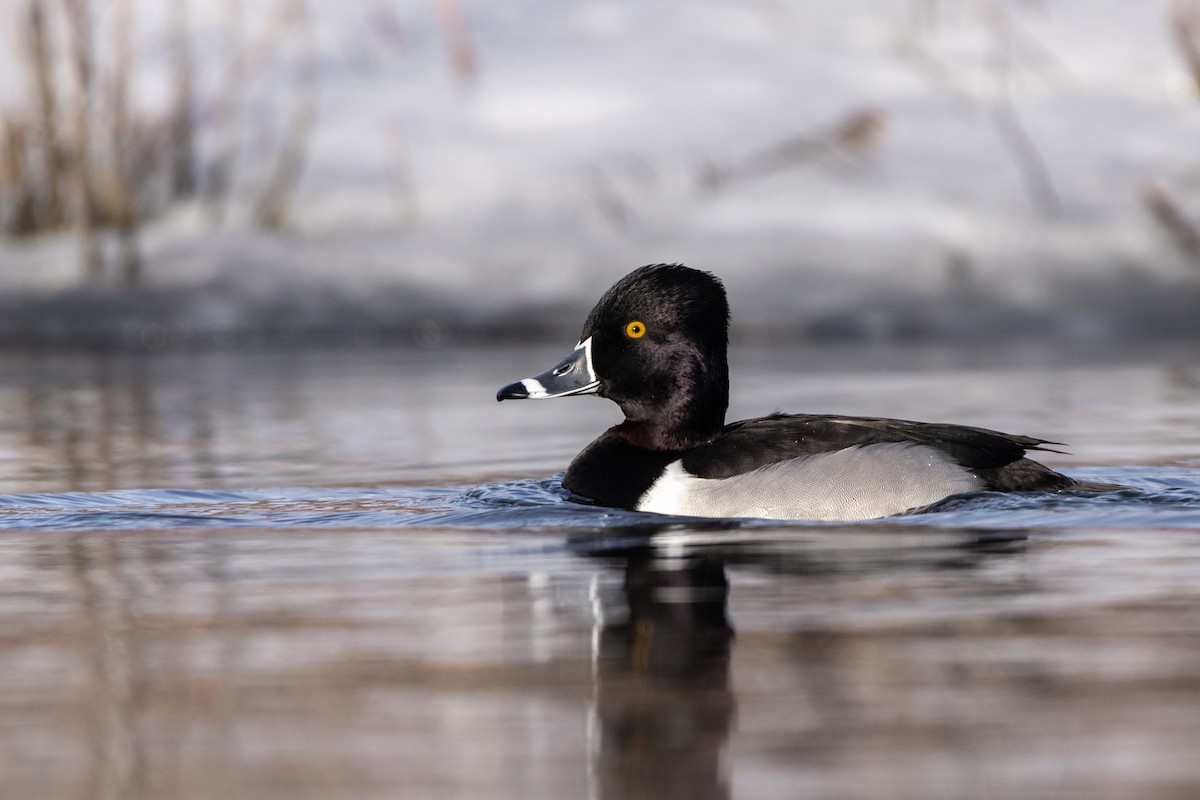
(353, 574)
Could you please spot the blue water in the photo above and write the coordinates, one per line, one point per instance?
(1157, 497)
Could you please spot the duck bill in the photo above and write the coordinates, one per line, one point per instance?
(573, 375)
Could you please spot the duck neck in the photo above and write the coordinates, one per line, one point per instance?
(690, 415)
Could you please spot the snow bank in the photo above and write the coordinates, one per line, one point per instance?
(849, 167)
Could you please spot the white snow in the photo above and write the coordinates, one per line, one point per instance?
(579, 150)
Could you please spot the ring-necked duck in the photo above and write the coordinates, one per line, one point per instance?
(656, 345)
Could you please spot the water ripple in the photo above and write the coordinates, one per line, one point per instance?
(1159, 498)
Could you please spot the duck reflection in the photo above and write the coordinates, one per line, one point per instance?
(663, 705)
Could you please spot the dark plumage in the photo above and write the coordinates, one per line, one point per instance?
(656, 345)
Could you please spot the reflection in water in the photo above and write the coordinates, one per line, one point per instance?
(371, 643)
(223, 419)
(94, 426)
(89, 422)
(664, 701)
(383, 664)
(120, 677)
(663, 705)
(137, 713)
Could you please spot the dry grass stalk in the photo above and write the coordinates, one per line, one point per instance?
(48, 203)
(272, 207)
(220, 120)
(608, 200)
(1170, 218)
(1184, 21)
(217, 174)
(404, 181)
(20, 216)
(1014, 47)
(855, 134)
(458, 40)
(118, 205)
(1033, 168)
(82, 212)
(184, 180)
(1035, 56)
(83, 157)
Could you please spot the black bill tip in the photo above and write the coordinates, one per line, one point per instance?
(514, 391)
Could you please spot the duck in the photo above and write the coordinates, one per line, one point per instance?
(656, 344)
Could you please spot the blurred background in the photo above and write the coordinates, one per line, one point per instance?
(431, 170)
(236, 562)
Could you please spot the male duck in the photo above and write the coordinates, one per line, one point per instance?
(656, 345)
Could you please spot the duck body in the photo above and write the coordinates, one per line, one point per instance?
(808, 466)
(656, 345)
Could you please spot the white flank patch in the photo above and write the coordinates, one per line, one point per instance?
(855, 483)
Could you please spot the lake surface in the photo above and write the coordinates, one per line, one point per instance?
(350, 573)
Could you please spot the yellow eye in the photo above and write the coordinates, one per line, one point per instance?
(635, 330)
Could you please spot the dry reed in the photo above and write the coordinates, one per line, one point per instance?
(77, 152)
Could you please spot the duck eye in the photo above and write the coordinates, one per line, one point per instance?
(635, 330)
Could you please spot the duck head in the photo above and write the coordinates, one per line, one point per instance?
(655, 345)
